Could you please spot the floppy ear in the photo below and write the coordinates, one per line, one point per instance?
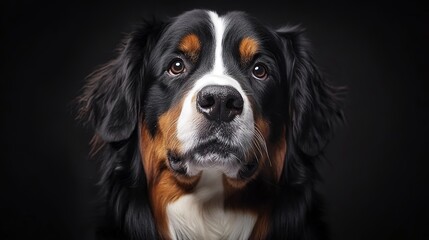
(314, 106)
(111, 97)
(314, 109)
(111, 104)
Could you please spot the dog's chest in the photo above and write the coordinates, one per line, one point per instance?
(201, 215)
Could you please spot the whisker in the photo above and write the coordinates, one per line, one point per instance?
(254, 145)
(262, 141)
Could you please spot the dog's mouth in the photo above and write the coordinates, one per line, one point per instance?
(213, 154)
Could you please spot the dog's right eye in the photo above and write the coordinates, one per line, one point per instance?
(177, 66)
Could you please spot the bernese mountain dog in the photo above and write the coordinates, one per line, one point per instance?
(209, 126)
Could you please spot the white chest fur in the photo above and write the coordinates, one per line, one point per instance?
(201, 215)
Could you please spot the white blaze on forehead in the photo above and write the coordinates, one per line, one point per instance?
(219, 30)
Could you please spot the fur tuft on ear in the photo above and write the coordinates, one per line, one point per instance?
(314, 103)
(111, 98)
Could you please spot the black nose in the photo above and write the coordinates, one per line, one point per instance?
(219, 103)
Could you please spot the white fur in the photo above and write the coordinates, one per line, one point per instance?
(219, 29)
(201, 215)
(187, 126)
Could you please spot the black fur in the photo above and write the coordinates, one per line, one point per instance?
(111, 103)
(131, 88)
(314, 110)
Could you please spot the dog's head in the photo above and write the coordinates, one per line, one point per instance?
(202, 92)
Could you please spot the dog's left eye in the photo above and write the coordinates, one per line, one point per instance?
(177, 66)
(260, 71)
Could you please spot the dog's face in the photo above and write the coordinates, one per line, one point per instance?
(208, 93)
(214, 96)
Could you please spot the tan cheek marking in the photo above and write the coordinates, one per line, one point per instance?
(263, 127)
(260, 230)
(153, 157)
(278, 154)
(191, 46)
(247, 49)
(164, 186)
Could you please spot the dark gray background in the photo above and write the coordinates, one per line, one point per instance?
(375, 182)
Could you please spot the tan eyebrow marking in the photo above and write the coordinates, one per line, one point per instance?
(191, 46)
(247, 49)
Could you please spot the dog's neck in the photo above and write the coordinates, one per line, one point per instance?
(202, 215)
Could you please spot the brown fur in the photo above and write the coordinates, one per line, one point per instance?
(190, 45)
(277, 152)
(247, 49)
(250, 195)
(164, 186)
(261, 227)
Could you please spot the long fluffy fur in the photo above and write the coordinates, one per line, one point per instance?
(112, 103)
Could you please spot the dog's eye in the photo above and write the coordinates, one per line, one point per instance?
(177, 66)
(260, 71)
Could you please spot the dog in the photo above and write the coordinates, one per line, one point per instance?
(210, 126)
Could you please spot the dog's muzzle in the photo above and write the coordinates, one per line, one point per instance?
(215, 128)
